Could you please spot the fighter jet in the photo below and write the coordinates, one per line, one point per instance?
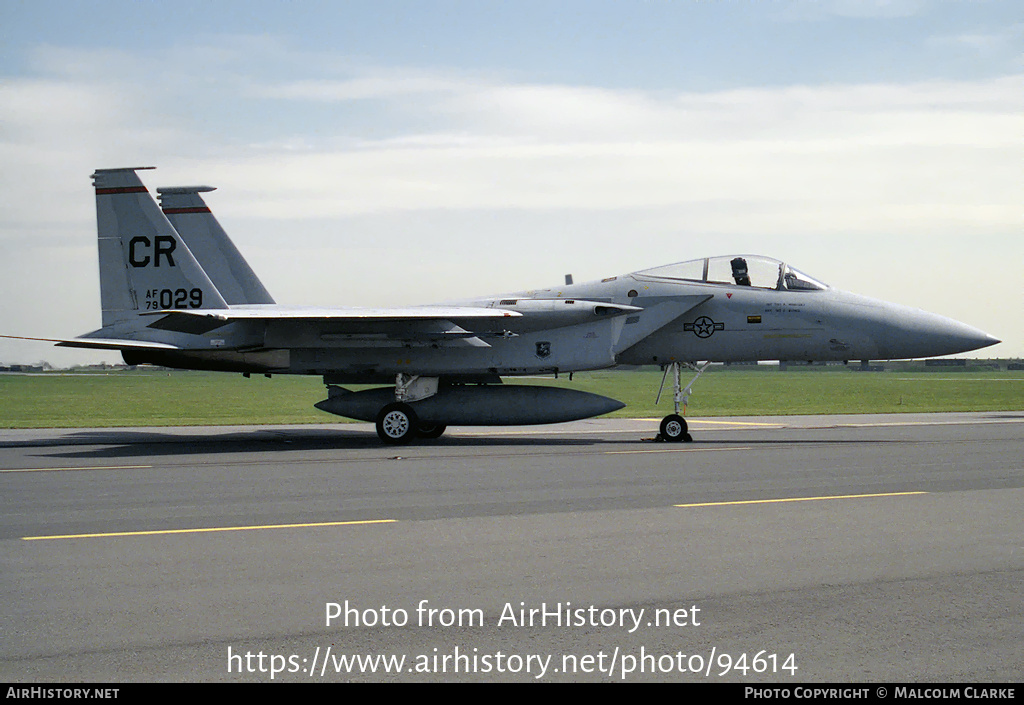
(176, 292)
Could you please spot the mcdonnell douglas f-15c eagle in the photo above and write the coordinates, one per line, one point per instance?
(176, 292)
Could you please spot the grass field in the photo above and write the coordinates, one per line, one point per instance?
(156, 398)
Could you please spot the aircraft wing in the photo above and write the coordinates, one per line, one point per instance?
(347, 327)
(272, 313)
(376, 327)
(202, 320)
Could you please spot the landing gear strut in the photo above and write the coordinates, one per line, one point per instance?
(673, 427)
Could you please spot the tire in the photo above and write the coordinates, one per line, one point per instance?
(430, 430)
(397, 423)
(673, 429)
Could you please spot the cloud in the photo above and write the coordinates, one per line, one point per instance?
(858, 155)
(463, 142)
(376, 84)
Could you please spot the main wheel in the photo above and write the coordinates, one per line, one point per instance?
(396, 423)
(673, 429)
(430, 430)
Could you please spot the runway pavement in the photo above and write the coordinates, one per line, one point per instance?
(782, 549)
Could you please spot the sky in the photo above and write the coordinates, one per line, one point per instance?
(391, 153)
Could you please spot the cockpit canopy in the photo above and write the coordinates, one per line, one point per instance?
(738, 270)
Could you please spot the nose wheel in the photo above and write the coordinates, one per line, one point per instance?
(673, 427)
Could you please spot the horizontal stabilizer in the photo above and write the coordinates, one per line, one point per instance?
(99, 343)
(112, 344)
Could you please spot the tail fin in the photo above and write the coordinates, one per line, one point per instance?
(223, 263)
(144, 264)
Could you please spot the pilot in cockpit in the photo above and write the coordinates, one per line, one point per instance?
(739, 271)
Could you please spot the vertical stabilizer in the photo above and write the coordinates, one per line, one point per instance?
(144, 264)
(221, 260)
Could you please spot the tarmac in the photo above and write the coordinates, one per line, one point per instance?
(883, 548)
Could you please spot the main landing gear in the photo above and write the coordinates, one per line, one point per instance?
(673, 427)
(397, 422)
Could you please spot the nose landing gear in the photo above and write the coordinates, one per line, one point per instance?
(673, 427)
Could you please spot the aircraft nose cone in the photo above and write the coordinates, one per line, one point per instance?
(887, 331)
(985, 340)
(929, 335)
(962, 337)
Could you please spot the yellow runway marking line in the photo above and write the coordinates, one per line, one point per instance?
(736, 423)
(98, 467)
(210, 530)
(799, 499)
(923, 422)
(557, 432)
